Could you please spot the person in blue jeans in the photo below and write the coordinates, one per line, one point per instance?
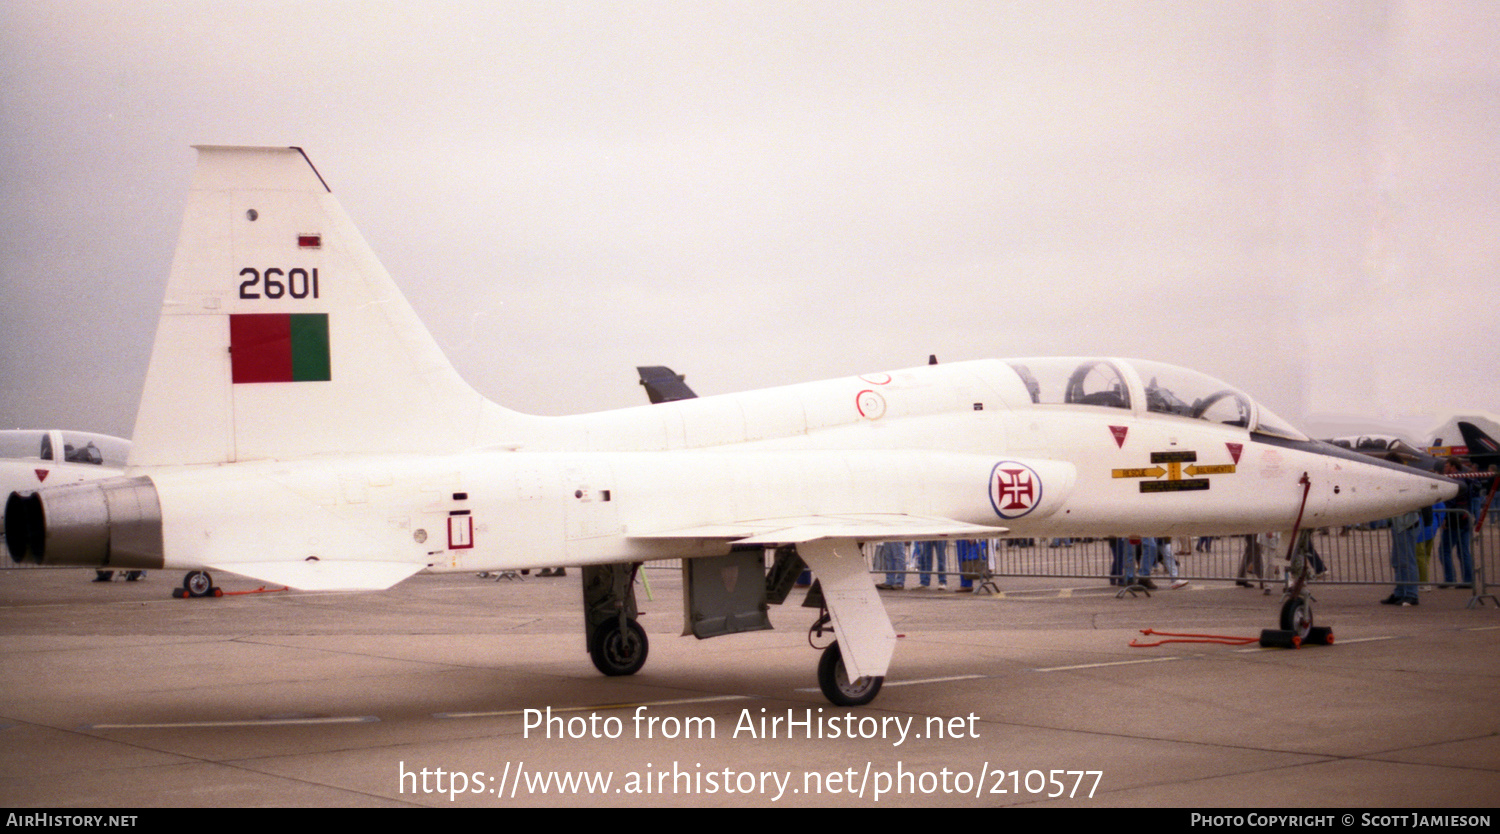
(924, 552)
(970, 551)
(1403, 557)
(892, 557)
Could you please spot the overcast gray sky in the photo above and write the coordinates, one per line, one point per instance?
(1299, 198)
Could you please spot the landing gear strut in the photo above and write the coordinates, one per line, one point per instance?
(851, 670)
(617, 643)
(833, 677)
(1296, 623)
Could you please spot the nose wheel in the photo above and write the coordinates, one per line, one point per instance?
(1297, 617)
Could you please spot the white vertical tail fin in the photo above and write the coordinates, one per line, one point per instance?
(282, 336)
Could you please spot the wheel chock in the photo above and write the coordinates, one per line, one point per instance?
(1318, 636)
(1275, 638)
(215, 591)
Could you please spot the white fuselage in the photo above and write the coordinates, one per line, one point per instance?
(961, 441)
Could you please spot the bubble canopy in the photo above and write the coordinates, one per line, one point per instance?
(1143, 385)
(64, 447)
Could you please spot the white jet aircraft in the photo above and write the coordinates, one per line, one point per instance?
(31, 458)
(299, 425)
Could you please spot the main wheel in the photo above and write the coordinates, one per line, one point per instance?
(617, 652)
(833, 679)
(1296, 617)
(198, 583)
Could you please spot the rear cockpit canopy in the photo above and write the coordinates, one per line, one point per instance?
(1153, 387)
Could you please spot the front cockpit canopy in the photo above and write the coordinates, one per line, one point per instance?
(1073, 382)
(1164, 389)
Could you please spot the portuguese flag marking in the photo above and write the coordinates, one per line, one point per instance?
(279, 347)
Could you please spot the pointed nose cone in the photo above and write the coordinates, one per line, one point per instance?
(1450, 491)
(1355, 488)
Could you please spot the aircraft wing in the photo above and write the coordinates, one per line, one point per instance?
(330, 575)
(864, 528)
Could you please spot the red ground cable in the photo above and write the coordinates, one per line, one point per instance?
(1221, 639)
(261, 590)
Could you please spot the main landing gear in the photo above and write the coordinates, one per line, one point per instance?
(835, 683)
(833, 677)
(618, 646)
(617, 643)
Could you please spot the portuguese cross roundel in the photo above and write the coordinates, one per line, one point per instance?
(1015, 489)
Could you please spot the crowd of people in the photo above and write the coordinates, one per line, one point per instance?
(1451, 524)
(929, 559)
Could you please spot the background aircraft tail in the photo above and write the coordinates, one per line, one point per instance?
(282, 336)
(664, 385)
(1483, 449)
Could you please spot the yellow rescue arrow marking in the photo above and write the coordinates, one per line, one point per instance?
(1153, 472)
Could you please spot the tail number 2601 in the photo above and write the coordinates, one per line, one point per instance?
(276, 283)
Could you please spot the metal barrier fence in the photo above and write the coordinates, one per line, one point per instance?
(1348, 556)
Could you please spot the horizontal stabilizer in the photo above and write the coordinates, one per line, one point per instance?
(864, 528)
(325, 576)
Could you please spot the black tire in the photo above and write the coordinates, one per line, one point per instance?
(835, 683)
(617, 653)
(198, 583)
(1297, 617)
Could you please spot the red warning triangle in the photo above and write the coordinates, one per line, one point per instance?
(41, 474)
(1119, 432)
(1234, 451)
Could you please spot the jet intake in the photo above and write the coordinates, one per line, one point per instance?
(113, 523)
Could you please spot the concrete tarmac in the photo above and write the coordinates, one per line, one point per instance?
(438, 692)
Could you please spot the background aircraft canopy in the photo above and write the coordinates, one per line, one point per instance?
(64, 447)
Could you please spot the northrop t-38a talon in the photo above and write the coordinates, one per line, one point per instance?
(299, 425)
